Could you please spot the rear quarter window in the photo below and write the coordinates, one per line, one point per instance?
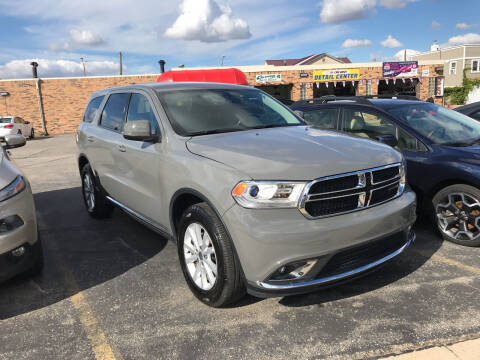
(92, 108)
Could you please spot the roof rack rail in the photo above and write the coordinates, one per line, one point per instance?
(392, 96)
(329, 98)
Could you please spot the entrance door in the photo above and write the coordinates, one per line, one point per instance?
(339, 90)
(277, 91)
(398, 87)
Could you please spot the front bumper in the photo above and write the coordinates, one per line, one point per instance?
(267, 239)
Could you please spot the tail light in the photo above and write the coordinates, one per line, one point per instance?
(8, 126)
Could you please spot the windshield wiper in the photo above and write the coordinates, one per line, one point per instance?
(271, 126)
(216, 131)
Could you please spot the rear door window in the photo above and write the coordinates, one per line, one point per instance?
(115, 111)
(476, 115)
(141, 109)
(325, 118)
(366, 124)
(92, 109)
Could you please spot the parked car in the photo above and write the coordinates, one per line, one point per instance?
(441, 148)
(472, 110)
(20, 246)
(254, 199)
(15, 125)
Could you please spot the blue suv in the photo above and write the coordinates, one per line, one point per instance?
(441, 147)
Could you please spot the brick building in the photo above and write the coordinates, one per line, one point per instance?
(61, 101)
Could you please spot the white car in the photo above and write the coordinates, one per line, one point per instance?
(10, 125)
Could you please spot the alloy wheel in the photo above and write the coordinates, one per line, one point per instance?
(200, 257)
(458, 216)
(89, 192)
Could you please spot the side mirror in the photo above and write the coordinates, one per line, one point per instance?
(299, 113)
(139, 131)
(14, 141)
(388, 139)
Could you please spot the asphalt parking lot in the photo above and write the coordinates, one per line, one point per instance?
(112, 289)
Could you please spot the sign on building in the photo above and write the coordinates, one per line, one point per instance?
(439, 81)
(336, 75)
(268, 78)
(400, 68)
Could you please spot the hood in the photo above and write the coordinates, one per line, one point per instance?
(8, 171)
(292, 153)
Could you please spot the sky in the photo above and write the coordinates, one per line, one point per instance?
(57, 33)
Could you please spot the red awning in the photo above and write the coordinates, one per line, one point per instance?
(228, 76)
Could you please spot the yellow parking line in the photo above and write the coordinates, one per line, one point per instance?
(95, 334)
(448, 261)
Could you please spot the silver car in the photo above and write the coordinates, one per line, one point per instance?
(20, 247)
(255, 200)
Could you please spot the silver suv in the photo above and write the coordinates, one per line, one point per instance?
(255, 200)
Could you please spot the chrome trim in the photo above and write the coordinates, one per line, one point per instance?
(334, 197)
(265, 285)
(305, 196)
(140, 217)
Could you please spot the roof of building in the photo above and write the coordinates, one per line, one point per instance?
(307, 60)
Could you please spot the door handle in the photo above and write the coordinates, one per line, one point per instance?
(90, 138)
(122, 148)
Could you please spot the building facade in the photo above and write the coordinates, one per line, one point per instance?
(455, 60)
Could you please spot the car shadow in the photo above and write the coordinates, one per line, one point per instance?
(80, 252)
(427, 243)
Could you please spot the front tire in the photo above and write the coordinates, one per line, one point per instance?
(457, 214)
(207, 258)
(96, 203)
(32, 134)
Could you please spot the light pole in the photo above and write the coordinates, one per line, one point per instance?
(83, 63)
(221, 61)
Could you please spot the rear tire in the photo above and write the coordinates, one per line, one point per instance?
(32, 134)
(96, 203)
(217, 252)
(456, 211)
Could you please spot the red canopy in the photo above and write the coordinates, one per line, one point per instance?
(229, 76)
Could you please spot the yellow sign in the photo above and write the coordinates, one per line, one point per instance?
(336, 75)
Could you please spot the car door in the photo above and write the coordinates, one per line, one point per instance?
(138, 163)
(17, 126)
(105, 140)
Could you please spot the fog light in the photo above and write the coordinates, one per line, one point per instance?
(294, 270)
(10, 223)
(20, 251)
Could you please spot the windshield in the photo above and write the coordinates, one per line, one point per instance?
(208, 111)
(5, 120)
(438, 124)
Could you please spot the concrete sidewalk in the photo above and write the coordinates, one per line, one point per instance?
(465, 350)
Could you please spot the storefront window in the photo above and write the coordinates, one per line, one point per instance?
(303, 91)
(431, 86)
(369, 87)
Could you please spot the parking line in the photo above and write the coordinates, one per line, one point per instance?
(451, 262)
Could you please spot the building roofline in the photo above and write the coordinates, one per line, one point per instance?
(446, 49)
(78, 77)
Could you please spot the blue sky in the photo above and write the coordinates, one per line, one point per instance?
(199, 32)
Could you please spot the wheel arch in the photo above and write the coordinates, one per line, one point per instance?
(82, 161)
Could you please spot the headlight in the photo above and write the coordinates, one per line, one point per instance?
(12, 189)
(268, 194)
(403, 177)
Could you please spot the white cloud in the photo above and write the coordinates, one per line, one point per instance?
(395, 4)
(56, 68)
(391, 42)
(351, 43)
(435, 25)
(470, 38)
(207, 21)
(463, 26)
(400, 56)
(335, 11)
(85, 37)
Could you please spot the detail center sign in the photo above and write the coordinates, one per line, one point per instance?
(336, 75)
(268, 78)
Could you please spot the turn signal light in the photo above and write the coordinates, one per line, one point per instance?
(8, 126)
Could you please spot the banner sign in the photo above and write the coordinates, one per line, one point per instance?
(404, 68)
(336, 75)
(268, 77)
(439, 86)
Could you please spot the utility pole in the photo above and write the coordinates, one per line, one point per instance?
(83, 63)
(120, 55)
(221, 61)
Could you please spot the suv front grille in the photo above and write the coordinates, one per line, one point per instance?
(344, 193)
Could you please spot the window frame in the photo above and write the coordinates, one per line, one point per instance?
(478, 66)
(99, 109)
(419, 145)
(105, 102)
(450, 68)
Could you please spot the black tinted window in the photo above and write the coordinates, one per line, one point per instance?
(113, 115)
(141, 109)
(476, 115)
(92, 108)
(323, 118)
